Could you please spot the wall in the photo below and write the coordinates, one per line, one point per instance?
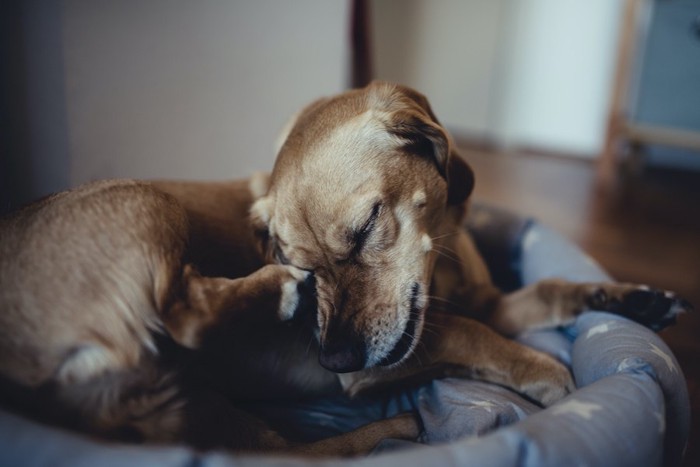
(34, 157)
(532, 73)
(169, 88)
(161, 88)
(175, 88)
(556, 74)
(447, 49)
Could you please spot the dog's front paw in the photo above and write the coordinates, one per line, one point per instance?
(653, 308)
(298, 295)
(547, 381)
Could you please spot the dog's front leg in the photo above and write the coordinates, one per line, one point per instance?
(555, 302)
(453, 345)
(271, 294)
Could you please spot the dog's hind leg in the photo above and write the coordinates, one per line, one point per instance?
(363, 439)
(271, 294)
(137, 404)
(554, 302)
(211, 422)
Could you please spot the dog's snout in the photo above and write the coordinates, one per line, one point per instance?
(343, 356)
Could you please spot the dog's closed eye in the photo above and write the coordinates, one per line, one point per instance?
(280, 257)
(358, 237)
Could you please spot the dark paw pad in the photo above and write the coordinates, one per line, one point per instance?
(598, 300)
(655, 309)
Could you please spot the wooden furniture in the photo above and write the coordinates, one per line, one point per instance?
(656, 95)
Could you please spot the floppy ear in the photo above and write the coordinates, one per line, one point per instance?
(425, 137)
(422, 137)
(460, 179)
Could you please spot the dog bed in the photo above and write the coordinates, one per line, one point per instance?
(631, 406)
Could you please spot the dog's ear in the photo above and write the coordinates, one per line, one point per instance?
(416, 124)
(460, 179)
(421, 137)
(260, 213)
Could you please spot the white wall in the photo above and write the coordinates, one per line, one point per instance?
(447, 49)
(556, 74)
(532, 73)
(199, 89)
(193, 89)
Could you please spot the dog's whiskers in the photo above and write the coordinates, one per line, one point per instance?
(429, 331)
(448, 234)
(435, 327)
(442, 302)
(446, 249)
(416, 354)
(447, 254)
(308, 346)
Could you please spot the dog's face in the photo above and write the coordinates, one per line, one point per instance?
(359, 195)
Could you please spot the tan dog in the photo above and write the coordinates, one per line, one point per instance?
(368, 194)
(364, 206)
(89, 280)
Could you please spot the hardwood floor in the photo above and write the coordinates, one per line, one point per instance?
(645, 229)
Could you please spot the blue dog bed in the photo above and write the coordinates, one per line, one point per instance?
(631, 406)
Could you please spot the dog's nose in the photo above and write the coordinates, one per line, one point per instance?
(343, 357)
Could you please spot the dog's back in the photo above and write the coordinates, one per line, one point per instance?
(82, 276)
(89, 279)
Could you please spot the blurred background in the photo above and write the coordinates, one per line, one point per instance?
(583, 113)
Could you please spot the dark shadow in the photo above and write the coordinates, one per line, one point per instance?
(34, 155)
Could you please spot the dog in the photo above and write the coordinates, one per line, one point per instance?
(369, 194)
(139, 310)
(100, 303)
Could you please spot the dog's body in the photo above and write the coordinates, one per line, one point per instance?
(365, 205)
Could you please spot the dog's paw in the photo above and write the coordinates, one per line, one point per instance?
(298, 295)
(653, 308)
(547, 381)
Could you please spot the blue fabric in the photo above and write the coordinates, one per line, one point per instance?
(631, 406)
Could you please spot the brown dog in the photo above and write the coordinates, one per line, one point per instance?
(368, 194)
(89, 280)
(363, 211)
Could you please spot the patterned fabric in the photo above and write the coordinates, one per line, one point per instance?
(631, 406)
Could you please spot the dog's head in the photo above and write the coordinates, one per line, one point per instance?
(360, 194)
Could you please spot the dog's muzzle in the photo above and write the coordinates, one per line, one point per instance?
(404, 345)
(343, 355)
(345, 351)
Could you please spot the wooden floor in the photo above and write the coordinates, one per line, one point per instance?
(645, 229)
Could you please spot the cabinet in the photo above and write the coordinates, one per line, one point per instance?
(656, 119)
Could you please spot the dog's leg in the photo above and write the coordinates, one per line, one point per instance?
(452, 345)
(134, 405)
(271, 294)
(363, 439)
(211, 422)
(555, 302)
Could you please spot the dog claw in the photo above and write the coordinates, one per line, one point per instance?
(656, 309)
(598, 299)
